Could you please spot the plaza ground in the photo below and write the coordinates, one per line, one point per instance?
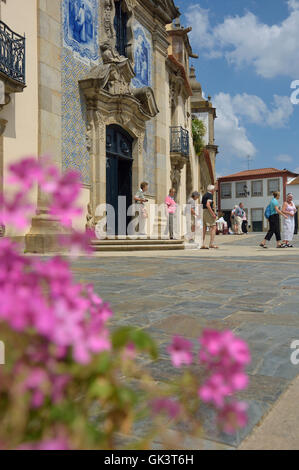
(252, 291)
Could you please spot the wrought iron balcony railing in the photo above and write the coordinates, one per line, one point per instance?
(179, 140)
(12, 54)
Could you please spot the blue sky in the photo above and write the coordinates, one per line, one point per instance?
(248, 57)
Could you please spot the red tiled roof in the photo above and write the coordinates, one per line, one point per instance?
(258, 172)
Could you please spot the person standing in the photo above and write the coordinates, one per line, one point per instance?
(209, 217)
(274, 222)
(171, 207)
(239, 214)
(233, 221)
(192, 204)
(244, 223)
(140, 200)
(289, 209)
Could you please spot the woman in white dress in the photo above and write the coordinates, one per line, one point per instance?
(289, 209)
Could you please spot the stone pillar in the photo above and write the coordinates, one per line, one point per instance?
(162, 129)
(3, 123)
(42, 235)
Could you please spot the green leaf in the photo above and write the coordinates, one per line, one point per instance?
(141, 340)
(126, 396)
(198, 132)
(101, 388)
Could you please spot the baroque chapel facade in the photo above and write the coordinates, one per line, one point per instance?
(104, 87)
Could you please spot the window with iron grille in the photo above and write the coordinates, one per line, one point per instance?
(226, 190)
(241, 189)
(120, 24)
(273, 185)
(257, 188)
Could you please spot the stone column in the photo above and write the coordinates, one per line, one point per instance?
(162, 129)
(44, 228)
(3, 123)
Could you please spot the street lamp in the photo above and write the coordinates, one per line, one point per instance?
(245, 189)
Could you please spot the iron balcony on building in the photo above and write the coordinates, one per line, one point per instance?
(12, 58)
(179, 141)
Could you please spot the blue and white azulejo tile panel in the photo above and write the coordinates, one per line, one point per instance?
(79, 52)
(80, 28)
(143, 52)
(74, 151)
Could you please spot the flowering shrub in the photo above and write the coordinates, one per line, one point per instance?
(68, 382)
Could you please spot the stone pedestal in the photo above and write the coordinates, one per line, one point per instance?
(44, 235)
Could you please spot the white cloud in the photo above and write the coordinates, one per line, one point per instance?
(255, 110)
(233, 111)
(284, 158)
(229, 134)
(201, 29)
(244, 40)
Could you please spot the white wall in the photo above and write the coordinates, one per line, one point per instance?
(294, 189)
(21, 135)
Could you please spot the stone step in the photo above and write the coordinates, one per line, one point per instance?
(128, 241)
(137, 245)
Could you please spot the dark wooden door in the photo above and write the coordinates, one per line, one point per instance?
(119, 163)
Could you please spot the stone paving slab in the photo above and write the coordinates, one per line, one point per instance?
(255, 293)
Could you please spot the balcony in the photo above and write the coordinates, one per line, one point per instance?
(12, 58)
(179, 141)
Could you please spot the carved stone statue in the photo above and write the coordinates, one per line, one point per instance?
(90, 220)
(110, 54)
(109, 14)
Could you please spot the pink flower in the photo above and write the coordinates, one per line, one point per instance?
(233, 417)
(64, 197)
(59, 383)
(43, 296)
(180, 351)
(15, 211)
(224, 357)
(166, 405)
(50, 179)
(215, 390)
(37, 382)
(49, 444)
(224, 348)
(78, 241)
(129, 352)
(26, 172)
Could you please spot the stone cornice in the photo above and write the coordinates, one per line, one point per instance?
(164, 10)
(174, 64)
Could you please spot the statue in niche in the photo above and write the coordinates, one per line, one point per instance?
(90, 220)
(109, 13)
(110, 54)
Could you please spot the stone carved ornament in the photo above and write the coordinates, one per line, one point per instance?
(90, 219)
(109, 14)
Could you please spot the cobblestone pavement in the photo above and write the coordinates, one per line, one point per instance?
(257, 297)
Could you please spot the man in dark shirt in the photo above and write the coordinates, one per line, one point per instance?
(209, 217)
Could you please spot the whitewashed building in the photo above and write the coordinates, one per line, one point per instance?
(254, 188)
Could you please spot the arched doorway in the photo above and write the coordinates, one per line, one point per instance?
(119, 162)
